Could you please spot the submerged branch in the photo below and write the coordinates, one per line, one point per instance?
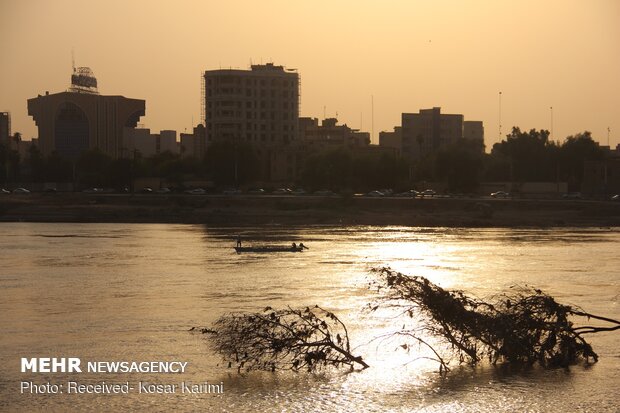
(524, 326)
(293, 339)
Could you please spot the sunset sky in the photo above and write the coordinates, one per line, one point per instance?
(408, 55)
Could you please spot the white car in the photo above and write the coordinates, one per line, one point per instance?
(21, 191)
(500, 194)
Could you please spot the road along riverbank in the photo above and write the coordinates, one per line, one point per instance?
(307, 210)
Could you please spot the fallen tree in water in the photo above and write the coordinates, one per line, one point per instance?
(286, 339)
(523, 326)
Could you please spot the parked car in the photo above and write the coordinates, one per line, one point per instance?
(375, 194)
(616, 197)
(282, 191)
(232, 191)
(500, 194)
(256, 191)
(93, 190)
(147, 190)
(412, 193)
(298, 191)
(4, 191)
(21, 191)
(163, 190)
(196, 191)
(428, 192)
(572, 195)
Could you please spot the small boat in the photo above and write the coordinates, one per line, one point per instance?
(275, 248)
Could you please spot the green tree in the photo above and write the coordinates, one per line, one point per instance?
(573, 153)
(459, 165)
(530, 156)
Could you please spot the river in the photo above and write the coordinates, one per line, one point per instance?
(114, 292)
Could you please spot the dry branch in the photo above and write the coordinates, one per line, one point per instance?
(523, 326)
(293, 339)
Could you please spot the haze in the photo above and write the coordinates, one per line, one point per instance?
(408, 55)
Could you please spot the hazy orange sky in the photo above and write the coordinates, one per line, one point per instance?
(409, 55)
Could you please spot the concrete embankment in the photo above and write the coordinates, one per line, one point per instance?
(307, 210)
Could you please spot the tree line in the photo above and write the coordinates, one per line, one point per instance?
(521, 157)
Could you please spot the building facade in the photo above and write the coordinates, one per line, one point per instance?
(423, 133)
(5, 127)
(259, 106)
(81, 119)
(330, 134)
(194, 144)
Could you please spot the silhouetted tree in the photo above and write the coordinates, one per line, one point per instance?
(530, 156)
(574, 152)
(93, 168)
(460, 165)
(230, 163)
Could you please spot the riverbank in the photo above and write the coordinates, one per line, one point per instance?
(307, 210)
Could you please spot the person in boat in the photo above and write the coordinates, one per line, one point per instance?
(238, 240)
(302, 246)
(294, 246)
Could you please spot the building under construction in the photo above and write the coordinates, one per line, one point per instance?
(258, 106)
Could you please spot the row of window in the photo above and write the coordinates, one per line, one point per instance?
(249, 115)
(249, 82)
(249, 105)
(252, 92)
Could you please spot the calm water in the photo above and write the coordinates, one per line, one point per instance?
(131, 292)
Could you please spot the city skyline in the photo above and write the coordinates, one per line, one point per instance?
(402, 56)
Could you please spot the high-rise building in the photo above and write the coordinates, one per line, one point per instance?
(260, 105)
(80, 119)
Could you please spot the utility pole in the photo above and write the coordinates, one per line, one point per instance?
(500, 117)
(551, 131)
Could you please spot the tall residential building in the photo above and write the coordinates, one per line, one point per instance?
(260, 105)
(5, 127)
(80, 119)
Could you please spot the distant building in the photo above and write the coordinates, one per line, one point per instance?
(167, 141)
(194, 144)
(392, 139)
(473, 130)
(5, 127)
(330, 134)
(142, 141)
(601, 178)
(425, 132)
(258, 106)
(80, 119)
